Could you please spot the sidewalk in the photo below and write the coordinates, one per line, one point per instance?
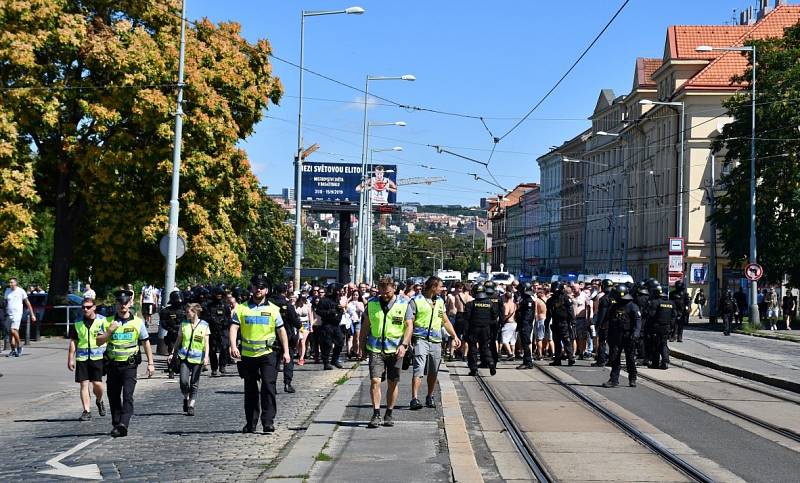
(773, 362)
(40, 371)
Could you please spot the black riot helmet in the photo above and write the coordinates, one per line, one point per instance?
(527, 288)
(622, 293)
(728, 294)
(557, 287)
(641, 288)
(479, 291)
(489, 287)
(679, 286)
(332, 289)
(218, 292)
(606, 285)
(175, 298)
(280, 289)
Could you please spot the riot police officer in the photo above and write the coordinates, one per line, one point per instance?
(601, 322)
(562, 315)
(661, 313)
(727, 310)
(683, 305)
(491, 293)
(526, 311)
(480, 315)
(331, 337)
(217, 314)
(624, 328)
(170, 319)
(291, 322)
(642, 299)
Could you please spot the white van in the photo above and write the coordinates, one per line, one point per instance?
(616, 277)
(449, 275)
(501, 278)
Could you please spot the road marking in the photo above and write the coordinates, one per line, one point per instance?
(84, 472)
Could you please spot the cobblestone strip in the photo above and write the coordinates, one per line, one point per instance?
(163, 444)
(462, 458)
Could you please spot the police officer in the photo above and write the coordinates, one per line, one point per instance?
(526, 311)
(562, 315)
(624, 328)
(642, 299)
(661, 315)
(480, 315)
(291, 323)
(217, 314)
(124, 333)
(384, 338)
(683, 304)
(491, 293)
(606, 300)
(170, 319)
(728, 309)
(85, 357)
(331, 337)
(260, 323)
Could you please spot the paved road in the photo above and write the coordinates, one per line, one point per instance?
(751, 457)
(41, 370)
(163, 444)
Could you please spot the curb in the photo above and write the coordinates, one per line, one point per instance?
(463, 465)
(297, 463)
(769, 336)
(778, 382)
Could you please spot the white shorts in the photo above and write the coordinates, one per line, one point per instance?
(15, 321)
(509, 333)
(772, 313)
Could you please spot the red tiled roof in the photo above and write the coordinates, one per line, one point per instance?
(644, 70)
(682, 40)
(719, 72)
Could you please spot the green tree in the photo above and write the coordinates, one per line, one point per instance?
(314, 249)
(777, 162)
(269, 239)
(91, 86)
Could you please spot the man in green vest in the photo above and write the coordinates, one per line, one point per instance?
(124, 334)
(85, 357)
(427, 313)
(259, 322)
(384, 339)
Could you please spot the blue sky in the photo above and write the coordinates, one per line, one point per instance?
(488, 58)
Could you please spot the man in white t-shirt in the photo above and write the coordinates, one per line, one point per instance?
(15, 297)
(148, 300)
(88, 293)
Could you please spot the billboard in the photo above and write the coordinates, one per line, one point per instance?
(332, 182)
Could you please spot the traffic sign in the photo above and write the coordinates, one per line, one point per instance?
(753, 272)
(675, 277)
(180, 249)
(675, 263)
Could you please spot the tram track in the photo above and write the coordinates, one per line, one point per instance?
(749, 387)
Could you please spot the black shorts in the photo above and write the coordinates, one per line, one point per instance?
(148, 308)
(89, 371)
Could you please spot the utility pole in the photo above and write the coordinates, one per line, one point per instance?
(713, 290)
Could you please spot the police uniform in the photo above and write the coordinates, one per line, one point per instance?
(191, 354)
(331, 337)
(123, 359)
(217, 314)
(728, 310)
(258, 324)
(642, 300)
(661, 316)
(624, 328)
(562, 315)
(602, 329)
(170, 319)
(682, 304)
(526, 311)
(291, 323)
(88, 354)
(496, 323)
(480, 315)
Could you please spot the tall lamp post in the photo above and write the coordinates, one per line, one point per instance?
(360, 252)
(754, 316)
(298, 160)
(441, 245)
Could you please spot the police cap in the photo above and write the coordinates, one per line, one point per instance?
(259, 281)
(123, 296)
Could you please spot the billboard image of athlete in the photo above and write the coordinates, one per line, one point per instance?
(379, 186)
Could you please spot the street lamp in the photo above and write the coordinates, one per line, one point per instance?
(441, 245)
(360, 252)
(433, 272)
(682, 105)
(298, 160)
(754, 316)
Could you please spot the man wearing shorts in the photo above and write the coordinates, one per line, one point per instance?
(15, 298)
(461, 298)
(148, 300)
(85, 357)
(385, 336)
(582, 308)
(427, 314)
(541, 333)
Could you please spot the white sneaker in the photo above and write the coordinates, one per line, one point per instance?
(19, 351)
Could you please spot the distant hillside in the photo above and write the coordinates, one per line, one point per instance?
(452, 210)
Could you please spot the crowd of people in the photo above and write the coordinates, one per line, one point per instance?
(266, 328)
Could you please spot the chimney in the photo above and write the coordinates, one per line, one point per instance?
(765, 8)
(746, 16)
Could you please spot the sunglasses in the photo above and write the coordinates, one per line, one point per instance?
(88, 307)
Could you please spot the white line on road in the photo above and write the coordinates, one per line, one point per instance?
(84, 472)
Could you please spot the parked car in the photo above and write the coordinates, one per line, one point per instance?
(502, 278)
(616, 277)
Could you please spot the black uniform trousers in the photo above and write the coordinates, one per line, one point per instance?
(659, 351)
(484, 338)
(120, 384)
(602, 348)
(677, 328)
(619, 341)
(525, 333)
(331, 342)
(727, 319)
(260, 402)
(495, 336)
(218, 349)
(288, 369)
(562, 339)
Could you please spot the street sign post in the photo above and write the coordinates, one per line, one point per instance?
(753, 272)
(675, 251)
(180, 249)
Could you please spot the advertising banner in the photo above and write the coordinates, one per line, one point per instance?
(331, 182)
